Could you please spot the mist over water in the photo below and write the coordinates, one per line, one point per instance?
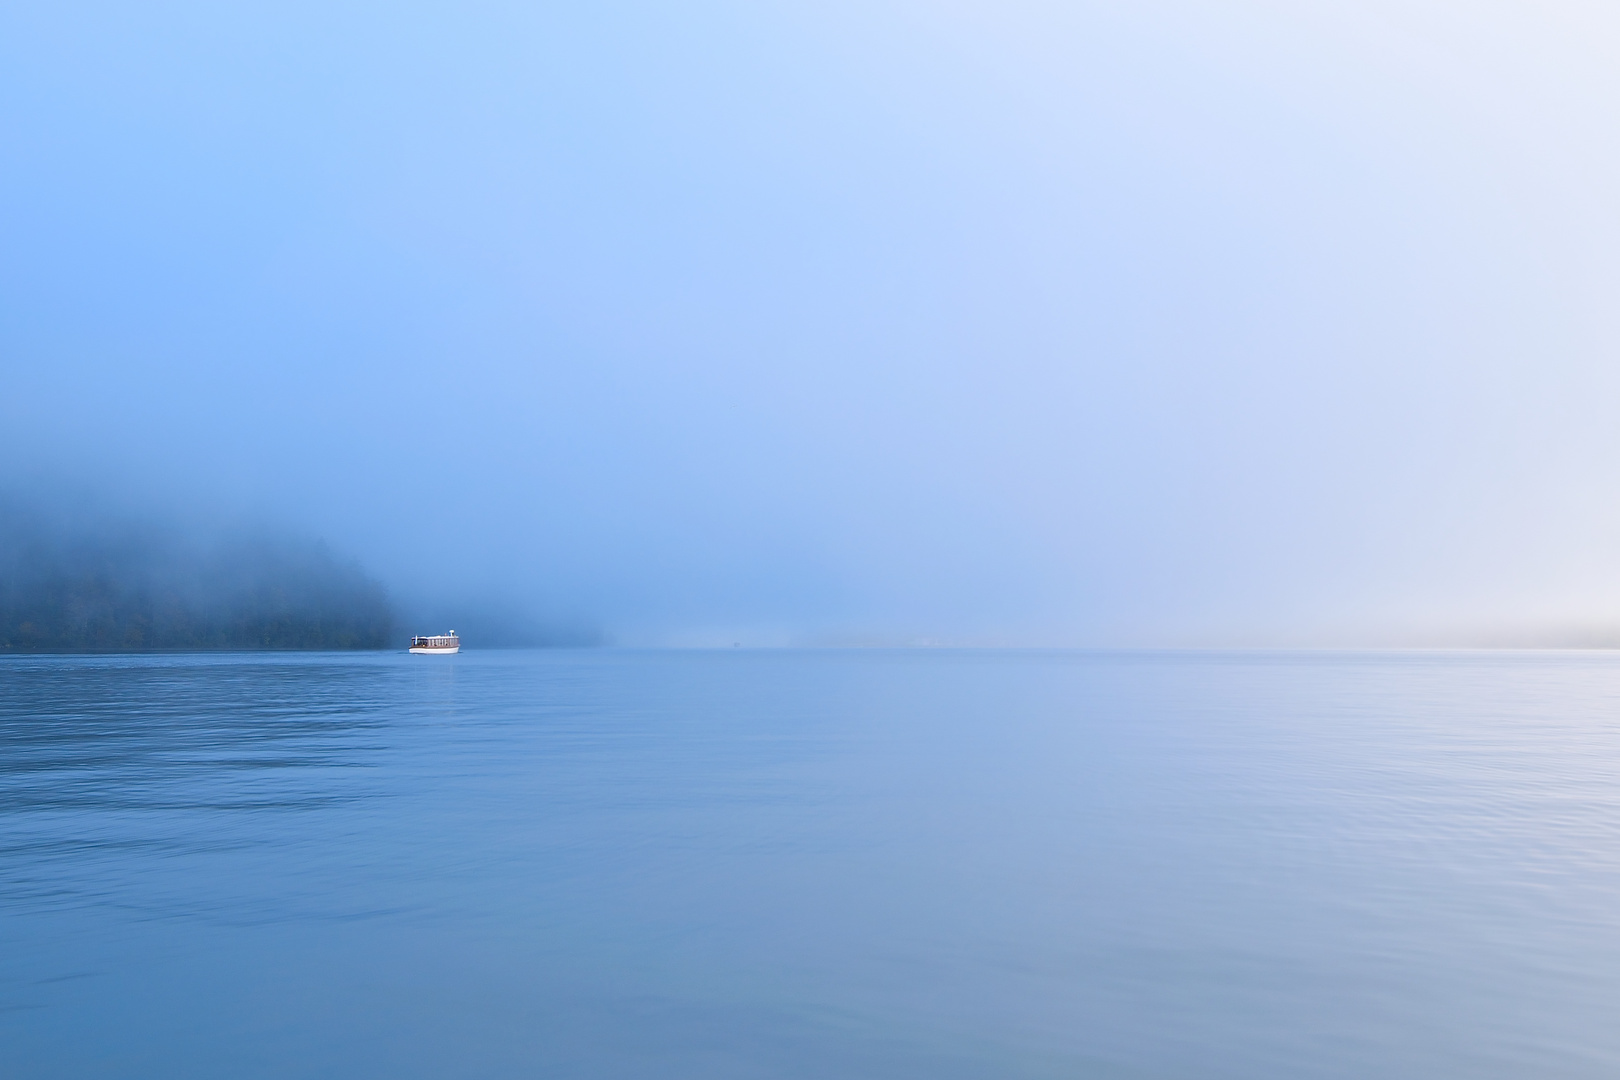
(773, 347)
(1192, 323)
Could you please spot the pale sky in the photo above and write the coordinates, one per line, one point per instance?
(1158, 323)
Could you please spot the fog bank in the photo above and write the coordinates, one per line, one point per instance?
(1018, 323)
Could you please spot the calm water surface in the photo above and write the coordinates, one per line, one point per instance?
(810, 864)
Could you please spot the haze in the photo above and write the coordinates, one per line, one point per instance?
(1163, 323)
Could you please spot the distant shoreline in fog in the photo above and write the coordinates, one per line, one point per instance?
(77, 578)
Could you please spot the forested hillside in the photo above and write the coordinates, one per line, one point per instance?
(99, 582)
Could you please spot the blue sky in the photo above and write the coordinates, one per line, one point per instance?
(1026, 323)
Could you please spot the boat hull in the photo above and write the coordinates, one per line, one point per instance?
(436, 651)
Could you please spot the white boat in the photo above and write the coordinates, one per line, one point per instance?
(442, 644)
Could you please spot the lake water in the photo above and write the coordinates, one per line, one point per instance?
(840, 864)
